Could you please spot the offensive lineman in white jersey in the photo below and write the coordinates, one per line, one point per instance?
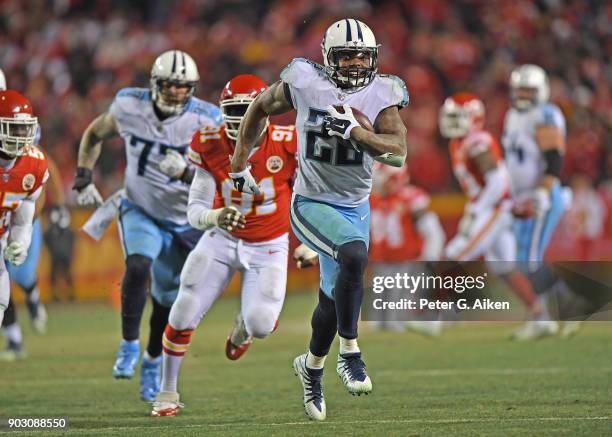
(155, 234)
(534, 143)
(330, 208)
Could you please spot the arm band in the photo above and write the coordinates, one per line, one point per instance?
(553, 162)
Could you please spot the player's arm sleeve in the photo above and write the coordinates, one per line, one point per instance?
(201, 197)
(21, 224)
(429, 227)
(550, 136)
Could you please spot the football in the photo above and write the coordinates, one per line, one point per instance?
(363, 119)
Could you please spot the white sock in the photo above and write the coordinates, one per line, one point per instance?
(170, 369)
(348, 346)
(315, 362)
(147, 357)
(13, 333)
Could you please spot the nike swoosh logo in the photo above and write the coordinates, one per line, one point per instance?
(273, 251)
(362, 218)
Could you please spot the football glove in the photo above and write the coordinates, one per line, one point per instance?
(304, 257)
(89, 196)
(87, 193)
(340, 125)
(465, 224)
(245, 182)
(15, 253)
(228, 218)
(173, 164)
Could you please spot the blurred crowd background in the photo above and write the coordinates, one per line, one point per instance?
(70, 57)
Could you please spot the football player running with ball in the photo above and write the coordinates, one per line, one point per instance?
(329, 208)
(155, 235)
(245, 232)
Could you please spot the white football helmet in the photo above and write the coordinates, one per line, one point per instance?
(349, 37)
(2, 81)
(529, 76)
(175, 67)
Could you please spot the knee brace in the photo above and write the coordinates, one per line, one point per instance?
(353, 256)
(137, 271)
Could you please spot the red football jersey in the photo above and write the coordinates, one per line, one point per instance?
(273, 166)
(393, 236)
(463, 150)
(26, 176)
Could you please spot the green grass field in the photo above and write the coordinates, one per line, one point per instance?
(472, 381)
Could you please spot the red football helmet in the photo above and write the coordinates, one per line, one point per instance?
(387, 179)
(236, 98)
(461, 113)
(17, 123)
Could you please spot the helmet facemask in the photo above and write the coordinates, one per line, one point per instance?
(352, 76)
(167, 103)
(233, 111)
(454, 123)
(17, 133)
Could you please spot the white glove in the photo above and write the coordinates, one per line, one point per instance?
(541, 200)
(465, 224)
(89, 196)
(338, 124)
(228, 218)
(16, 253)
(173, 164)
(245, 182)
(304, 256)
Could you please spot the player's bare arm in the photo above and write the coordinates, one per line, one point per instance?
(270, 102)
(485, 162)
(390, 136)
(102, 128)
(552, 144)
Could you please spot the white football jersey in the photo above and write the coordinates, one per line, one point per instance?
(146, 141)
(523, 156)
(330, 169)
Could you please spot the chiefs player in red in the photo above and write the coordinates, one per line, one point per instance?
(245, 232)
(23, 172)
(486, 226)
(403, 229)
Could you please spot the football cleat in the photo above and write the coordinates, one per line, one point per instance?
(351, 370)
(314, 402)
(166, 404)
(534, 329)
(239, 339)
(13, 352)
(570, 328)
(150, 378)
(428, 328)
(127, 358)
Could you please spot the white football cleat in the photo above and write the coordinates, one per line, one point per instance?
(535, 329)
(314, 402)
(351, 370)
(166, 404)
(571, 328)
(428, 328)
